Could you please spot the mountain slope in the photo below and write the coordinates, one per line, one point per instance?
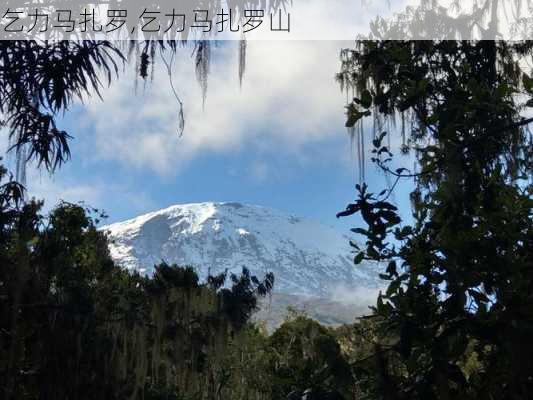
(306, 257)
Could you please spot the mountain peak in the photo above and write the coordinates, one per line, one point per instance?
(306, 257)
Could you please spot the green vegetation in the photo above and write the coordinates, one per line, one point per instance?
(455, 322)
(74, 325)
(459, 300)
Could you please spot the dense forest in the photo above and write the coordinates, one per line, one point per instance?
(456, 320)
(75, 325)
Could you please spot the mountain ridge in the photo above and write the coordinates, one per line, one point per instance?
(308, 259)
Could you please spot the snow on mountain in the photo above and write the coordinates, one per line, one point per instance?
(306, 257)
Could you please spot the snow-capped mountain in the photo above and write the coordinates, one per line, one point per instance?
(306, 257)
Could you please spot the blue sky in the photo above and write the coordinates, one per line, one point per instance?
(279, 141)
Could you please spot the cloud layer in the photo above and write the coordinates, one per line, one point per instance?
(289, 98)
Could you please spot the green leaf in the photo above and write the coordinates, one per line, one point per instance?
(360, 231)
(391, 268)
(366, 99)
(528, 83)
(393, 287)
(355, 115)
(359, 258)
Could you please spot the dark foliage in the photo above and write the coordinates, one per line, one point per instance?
(40, 80)
(75, 325)
(306, 356)
(461, 274)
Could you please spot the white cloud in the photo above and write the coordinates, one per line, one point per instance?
(104, 196)
(289, 98)
(359, 295)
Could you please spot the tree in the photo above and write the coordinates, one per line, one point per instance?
(305, 356)
(460, 274)
(40, 79)
(75, 325)
(443, 20)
